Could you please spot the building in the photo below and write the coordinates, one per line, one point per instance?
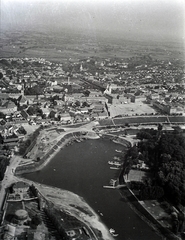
(20, 187)
(165, 108)
(97, 107)
(8, 107)
(109, 97)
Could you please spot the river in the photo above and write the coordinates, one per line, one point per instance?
(83, 169)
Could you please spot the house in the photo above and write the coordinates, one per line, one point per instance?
(24, 114)
(78, 117)
(58, 89)
(162, 106)
(20, 187)
(52, 114)
(97, 107)
(102, 115)
(8, 107)
(65, 116)
(59, 102)
(85, 110)
(2, 129)
(23, 101)
(46, 111)
(11, 140)
(4, 96)
(94, 116)
(109, 97)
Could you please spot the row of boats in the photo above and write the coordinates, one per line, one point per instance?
(74, 140)
(117, 159)
(113, 183)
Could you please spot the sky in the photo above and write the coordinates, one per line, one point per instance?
(154, 19)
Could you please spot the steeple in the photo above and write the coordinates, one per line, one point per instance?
(68, 80)
(22, 90)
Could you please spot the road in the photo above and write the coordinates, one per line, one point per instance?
(9, 177)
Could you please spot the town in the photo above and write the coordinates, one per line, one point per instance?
(107, 95)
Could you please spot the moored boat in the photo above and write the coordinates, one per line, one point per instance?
(112, 232)
(119, 151)
(116, 158)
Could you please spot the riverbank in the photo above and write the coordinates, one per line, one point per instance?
(77, 207)
(30, 165)
(57, 168)
(72, 207)
(67, 201)
(151, 211)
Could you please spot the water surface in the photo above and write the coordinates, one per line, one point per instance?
(83, 169)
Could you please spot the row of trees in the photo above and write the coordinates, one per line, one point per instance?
(24, 146)
(4, 162)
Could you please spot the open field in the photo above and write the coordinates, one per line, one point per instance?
(63, 46)
(45, 141)
(129, 108)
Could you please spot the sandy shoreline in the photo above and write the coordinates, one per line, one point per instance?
(76, 206)
(72, 204)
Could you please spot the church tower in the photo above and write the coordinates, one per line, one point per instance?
(68, 81)
(22, 90)
(81, 68)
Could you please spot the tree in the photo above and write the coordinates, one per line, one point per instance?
(1, 139)
(144, 135)
(31, 111)
(22, 130)
(164, 152)
(1, 75)
(86, 93)
(133, 152)
(35, 221)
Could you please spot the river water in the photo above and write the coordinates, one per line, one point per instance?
(83, 169)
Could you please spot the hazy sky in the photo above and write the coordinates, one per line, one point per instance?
(160, 19)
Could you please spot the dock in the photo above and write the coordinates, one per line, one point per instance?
(112, 187)
(115, 187)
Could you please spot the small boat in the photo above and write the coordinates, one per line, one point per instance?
(112, 231)
(114, 163)
(114, 168)
(119, 151)
(117, 164)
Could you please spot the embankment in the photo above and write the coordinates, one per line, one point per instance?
(117, 139)
(66, 139)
